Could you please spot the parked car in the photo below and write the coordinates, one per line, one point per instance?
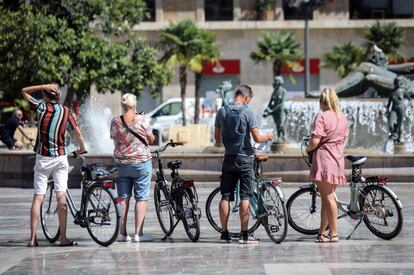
(169, 113)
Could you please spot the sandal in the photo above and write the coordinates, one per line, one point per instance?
(70, 243)
(322, 238)
(333, 239)
(33, 244)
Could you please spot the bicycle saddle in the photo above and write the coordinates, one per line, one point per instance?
(260, 157)
(356, 160)
(175, 164)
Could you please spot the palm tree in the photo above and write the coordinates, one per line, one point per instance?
(186, 46)
(388, 36)
(343, 58)
(278, 47)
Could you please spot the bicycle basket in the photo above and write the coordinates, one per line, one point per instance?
(100, 171)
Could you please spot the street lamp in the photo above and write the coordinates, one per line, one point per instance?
(306, 7)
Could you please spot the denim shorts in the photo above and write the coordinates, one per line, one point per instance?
(236, 168)
(136, 175)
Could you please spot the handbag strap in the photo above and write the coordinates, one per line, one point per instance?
(134, 133)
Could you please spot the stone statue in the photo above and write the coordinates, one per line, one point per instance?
(276, 108)
(376, 73)
(396, 110)
(388, 81)
(223, 89)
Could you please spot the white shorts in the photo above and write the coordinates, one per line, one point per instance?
(57, 166)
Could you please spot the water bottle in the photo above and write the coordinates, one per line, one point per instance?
(254, 202)
(354, 197)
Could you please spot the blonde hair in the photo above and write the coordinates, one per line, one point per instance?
(330, 100)
(128, 101)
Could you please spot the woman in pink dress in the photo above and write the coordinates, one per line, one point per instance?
(328, 168)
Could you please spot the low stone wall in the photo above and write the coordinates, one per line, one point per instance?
(16, 169)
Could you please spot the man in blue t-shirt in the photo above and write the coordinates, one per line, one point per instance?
(7, 133)
(234, 124)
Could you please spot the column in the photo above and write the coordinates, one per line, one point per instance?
(236, 10)
(200, 13)
(279, 10)
(159, 12)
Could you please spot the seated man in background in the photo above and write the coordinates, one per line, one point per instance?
(7, 132)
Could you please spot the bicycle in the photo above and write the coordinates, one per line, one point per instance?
(99, 210)
(178, 200)
(267, 207)
(371, 201)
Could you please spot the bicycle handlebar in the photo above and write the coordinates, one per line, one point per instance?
(172, 143)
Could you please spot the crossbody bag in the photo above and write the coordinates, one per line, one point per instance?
(134, 133)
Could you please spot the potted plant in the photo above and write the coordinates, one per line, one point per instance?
(262, 7)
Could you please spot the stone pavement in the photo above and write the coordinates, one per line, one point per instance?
(363, 254)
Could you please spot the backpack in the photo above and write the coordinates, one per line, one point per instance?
(232, 131)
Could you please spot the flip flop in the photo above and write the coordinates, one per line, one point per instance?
(71, 243)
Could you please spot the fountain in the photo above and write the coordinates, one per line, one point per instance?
(367, 123)
(95, 123)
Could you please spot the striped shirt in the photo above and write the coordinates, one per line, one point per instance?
(53, 121)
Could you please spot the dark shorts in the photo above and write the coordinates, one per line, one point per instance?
(8, 141)
(236, 168)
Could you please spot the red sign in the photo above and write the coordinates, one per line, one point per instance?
(222, 67)
(298, 68)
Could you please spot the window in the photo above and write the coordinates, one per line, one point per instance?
(171, 109)
(150, 11)
(291, 13)
(379, 9)
(218, 10)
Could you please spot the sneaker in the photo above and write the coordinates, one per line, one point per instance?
(248, 239)
(122, 238)
(225, 238)
(143, 238)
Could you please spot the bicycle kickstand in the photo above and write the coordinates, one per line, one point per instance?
(171, 231)
(356, 226)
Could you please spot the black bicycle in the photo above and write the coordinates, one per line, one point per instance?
(99, 210)
(178, 200)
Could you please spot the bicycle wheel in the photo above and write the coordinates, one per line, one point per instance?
(382, 215)
(103, 215)
(163, 208)
(276, 220)
(304, 211)
(49, 214)
(233, 224)
(190, 216)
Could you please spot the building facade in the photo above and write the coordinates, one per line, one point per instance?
(237, 25)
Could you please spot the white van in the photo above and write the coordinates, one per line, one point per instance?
(169, 113)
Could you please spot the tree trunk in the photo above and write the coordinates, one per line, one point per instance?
(197, 98)
(183, 84)
(277, 67)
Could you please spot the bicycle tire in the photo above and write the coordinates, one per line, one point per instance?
(297, 209)
(376, 209)
(49, 218)
(276, 220)
(190, 216)
(163, 207)
(103, 213)
(233, 225)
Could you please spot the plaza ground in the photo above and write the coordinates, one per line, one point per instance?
(363, 254)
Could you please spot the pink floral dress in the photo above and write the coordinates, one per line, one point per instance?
(328, 163)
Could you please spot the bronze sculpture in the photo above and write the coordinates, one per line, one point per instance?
(388, 81)
(276, 108)
(223, 89)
